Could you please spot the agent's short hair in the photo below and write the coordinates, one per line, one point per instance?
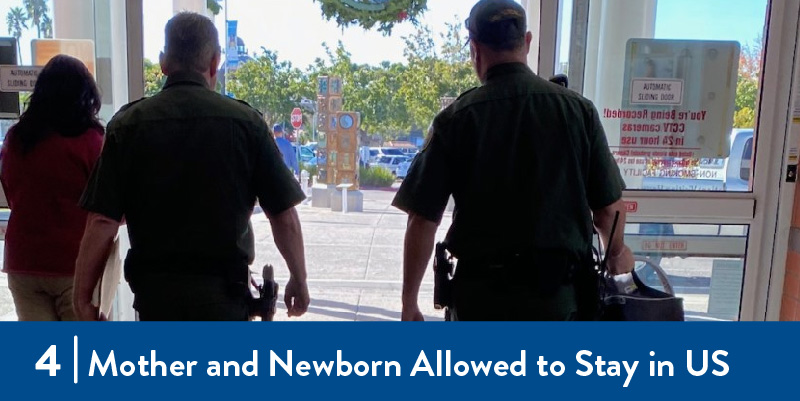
(192, 41)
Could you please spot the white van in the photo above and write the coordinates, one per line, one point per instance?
(377, 153)
(731, 174)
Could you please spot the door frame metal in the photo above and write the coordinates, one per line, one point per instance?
(767, 209)
(134, 16)
(774, 193)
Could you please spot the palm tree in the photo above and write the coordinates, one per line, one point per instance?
(46, 27)
(36, 9)
(16, 21)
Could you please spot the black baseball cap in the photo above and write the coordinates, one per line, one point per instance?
(497, 23)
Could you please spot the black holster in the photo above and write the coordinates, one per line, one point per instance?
(443, 275)
(265, 304)
(588, 285)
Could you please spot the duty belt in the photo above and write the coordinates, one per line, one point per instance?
(549, 264)
(137, 268)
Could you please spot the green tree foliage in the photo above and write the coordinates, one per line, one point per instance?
(368, 14)
(16, 20)
(377, 177)
(154, 79)
(747, 86)
(272, 86)
(37, 15)
(456, 65)
(32, 14)
(393, 98)
(420, 85)
(431, 75)
(385, 112)
(744, 118)
(213, 6)
(46, 27)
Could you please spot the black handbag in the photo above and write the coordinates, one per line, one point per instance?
(642, 304)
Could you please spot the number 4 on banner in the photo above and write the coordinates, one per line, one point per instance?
(48, 361)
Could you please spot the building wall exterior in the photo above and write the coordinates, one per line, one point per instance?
(790, 309)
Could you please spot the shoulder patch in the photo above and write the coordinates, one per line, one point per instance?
(428, 138)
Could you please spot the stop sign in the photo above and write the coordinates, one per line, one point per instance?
(297, 118)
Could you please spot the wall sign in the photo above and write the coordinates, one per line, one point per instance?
(678, 98)
(15, 78)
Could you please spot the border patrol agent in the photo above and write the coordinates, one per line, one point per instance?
(184, 169)
(529, 167)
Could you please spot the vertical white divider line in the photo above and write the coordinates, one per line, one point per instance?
(75, 360)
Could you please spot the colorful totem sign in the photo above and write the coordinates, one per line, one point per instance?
(338, 132)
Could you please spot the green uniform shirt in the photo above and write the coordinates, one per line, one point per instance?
(525, 160)
(184, 168)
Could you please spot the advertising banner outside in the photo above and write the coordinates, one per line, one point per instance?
(231, 46)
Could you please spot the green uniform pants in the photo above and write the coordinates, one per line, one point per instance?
(501, 296)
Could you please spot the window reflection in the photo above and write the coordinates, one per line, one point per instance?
(704, 264)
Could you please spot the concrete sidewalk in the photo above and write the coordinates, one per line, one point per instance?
(354, 263)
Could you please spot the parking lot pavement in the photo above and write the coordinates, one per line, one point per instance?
(354, 261)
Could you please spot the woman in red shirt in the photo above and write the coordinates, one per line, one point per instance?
(46, 161)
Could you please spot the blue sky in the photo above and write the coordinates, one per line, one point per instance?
(740, 20)
(27, 36)
(296, 29)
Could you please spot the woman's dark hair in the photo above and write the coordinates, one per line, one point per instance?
(65, 101)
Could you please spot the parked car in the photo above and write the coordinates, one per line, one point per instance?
(392, 151)
(402, 169)
(390, 163)
(410, 151)
(376, 153)
(305, 154)
(731, 174)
